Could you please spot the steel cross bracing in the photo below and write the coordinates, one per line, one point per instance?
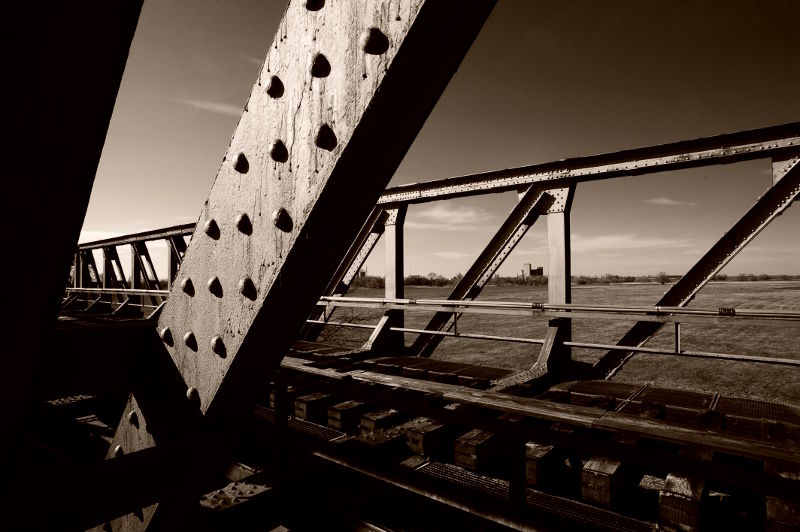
(532, 203)
(289, 196)
(783, 192)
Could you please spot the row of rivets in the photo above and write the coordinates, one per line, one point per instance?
(217, 345)
(245, 285)
(372, 41)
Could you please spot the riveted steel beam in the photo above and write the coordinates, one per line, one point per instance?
(786, 188)
(535, 201)
(343, 92)
(144, 236)
(761, 143)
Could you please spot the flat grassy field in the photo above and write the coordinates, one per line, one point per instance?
(778, 383)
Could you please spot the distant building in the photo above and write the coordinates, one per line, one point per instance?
(527, 271)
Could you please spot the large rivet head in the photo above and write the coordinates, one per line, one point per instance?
(372, 41)
(190, 341)
(166, 336)
(212, 229)
(320, 67)
(243, 224)
(218, 346)
(275, 87)
(187, 286)
(278, 151)
(118, 451)
(314, 5)
(247, 288)
(326, 138)
(133, 418)
(282, 220)
(241, 165)
(214, 286)
(193, 396)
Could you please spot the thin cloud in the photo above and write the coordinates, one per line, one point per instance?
(258, 61)
(452, 218)
(212, 107)
(608, 243)
(667, 202)
(450, 254)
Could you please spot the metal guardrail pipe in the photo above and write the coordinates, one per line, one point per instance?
(464, 306)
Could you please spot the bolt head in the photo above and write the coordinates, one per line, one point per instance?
(275, 87)
(282, 220)
(190, 341)
(372, 41)
(166, 336)
(118, 451)
(218, 346)
(320, 67)
(193, 396)
(278, 151)
(133, 418)
(241, 165)
(212, 229)
(243, 224)
(214, 286)
(247, 288)
(326, 138)
(187, 286)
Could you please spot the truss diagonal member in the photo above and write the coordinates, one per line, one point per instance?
(769, 206)
(342, 94)
(534, 202)
(353, 261)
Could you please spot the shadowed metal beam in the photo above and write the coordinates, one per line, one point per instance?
(343, 92)
(532, 203)
(786, 188)
(721, 149)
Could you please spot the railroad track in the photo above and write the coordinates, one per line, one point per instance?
(342, 432)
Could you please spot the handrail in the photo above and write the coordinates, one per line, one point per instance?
(654, 313)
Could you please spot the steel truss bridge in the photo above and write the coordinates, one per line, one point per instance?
(209, 402)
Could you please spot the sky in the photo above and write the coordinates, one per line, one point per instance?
(544, 80)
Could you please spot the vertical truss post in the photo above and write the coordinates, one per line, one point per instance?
(559, 256)
(533, 202)
(136, 278)
(382, 339)
(343, 91)
(784, 190)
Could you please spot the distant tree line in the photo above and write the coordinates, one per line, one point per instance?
(435, 279)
